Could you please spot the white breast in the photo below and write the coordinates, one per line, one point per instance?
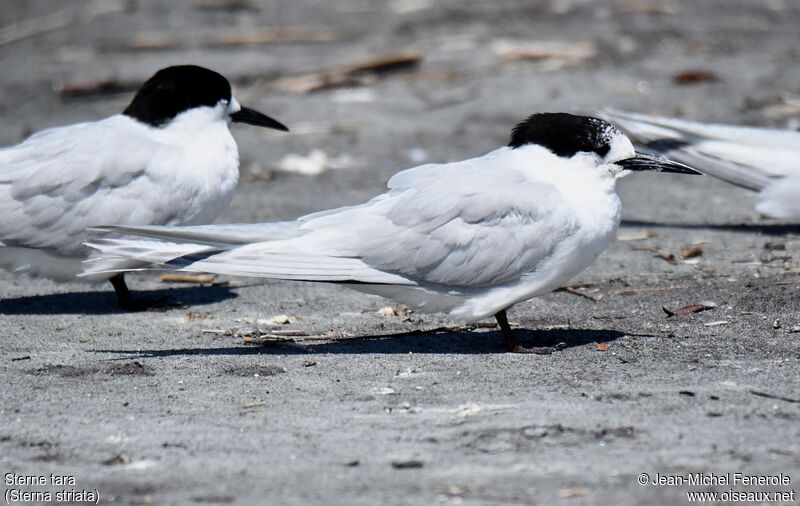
(203, 170)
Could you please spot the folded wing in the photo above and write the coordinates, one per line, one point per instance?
(464, 224)
(61, 181)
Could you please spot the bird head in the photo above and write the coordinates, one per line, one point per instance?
(175, 90)
(606, 147)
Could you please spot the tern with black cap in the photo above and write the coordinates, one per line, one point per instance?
(469, 238)
(168, 159)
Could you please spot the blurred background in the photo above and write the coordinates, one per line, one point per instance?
(372, 87)
(173, 407)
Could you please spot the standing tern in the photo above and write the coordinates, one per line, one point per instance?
(761, 159)
(168, 159)
(469, 238)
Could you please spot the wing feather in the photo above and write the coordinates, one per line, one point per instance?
(61, 181)
(465, 224)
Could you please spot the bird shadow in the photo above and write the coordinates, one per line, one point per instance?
(105, 302)
(759, 228)
(450, 342)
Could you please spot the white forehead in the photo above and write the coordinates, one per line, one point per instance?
(620, 147)
(233, 105)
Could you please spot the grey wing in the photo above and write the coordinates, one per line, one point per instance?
(61, 181)
(456, 225)
(469, 226)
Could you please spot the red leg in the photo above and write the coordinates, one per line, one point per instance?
(511, 341)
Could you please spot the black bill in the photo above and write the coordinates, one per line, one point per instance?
(657, 163)
(253, 117)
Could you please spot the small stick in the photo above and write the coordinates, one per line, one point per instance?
(773, 396)
(574, 291)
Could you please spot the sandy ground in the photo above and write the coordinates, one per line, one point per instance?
(172, 407)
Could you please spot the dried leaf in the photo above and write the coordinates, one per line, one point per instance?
(280, 319)
(637, 236)
(357, 74)
(644, 7)
(602, 347)
(566, 493)
(225, 5)
(260, 36)
(281, 34)
(669, 257)
(775, 245)
(696, 76)
(690, 309)
(568, 52)
(175, 277)
(691, 252)
(387, 64)
(407, 464)
(390, 311)
(120, 459)
(772, 257)
(255, 404)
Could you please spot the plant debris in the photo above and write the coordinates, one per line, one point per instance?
(226, 5)
(669, 257)
(578, 290)
(690, 309)
(602, 347)
(357, 74)
(254, 404)
(553, 55)
(253, 37)
(280, 319)
(691, 252)
(773, 396)
(176, 277)
(120, 459)
(407, 464)
(694, 76)
(566, 493)
(216, 331)
(637, 236)
(390, 311)
(775, 245)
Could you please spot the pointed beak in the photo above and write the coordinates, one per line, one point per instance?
(253, 117)
(643, 161)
